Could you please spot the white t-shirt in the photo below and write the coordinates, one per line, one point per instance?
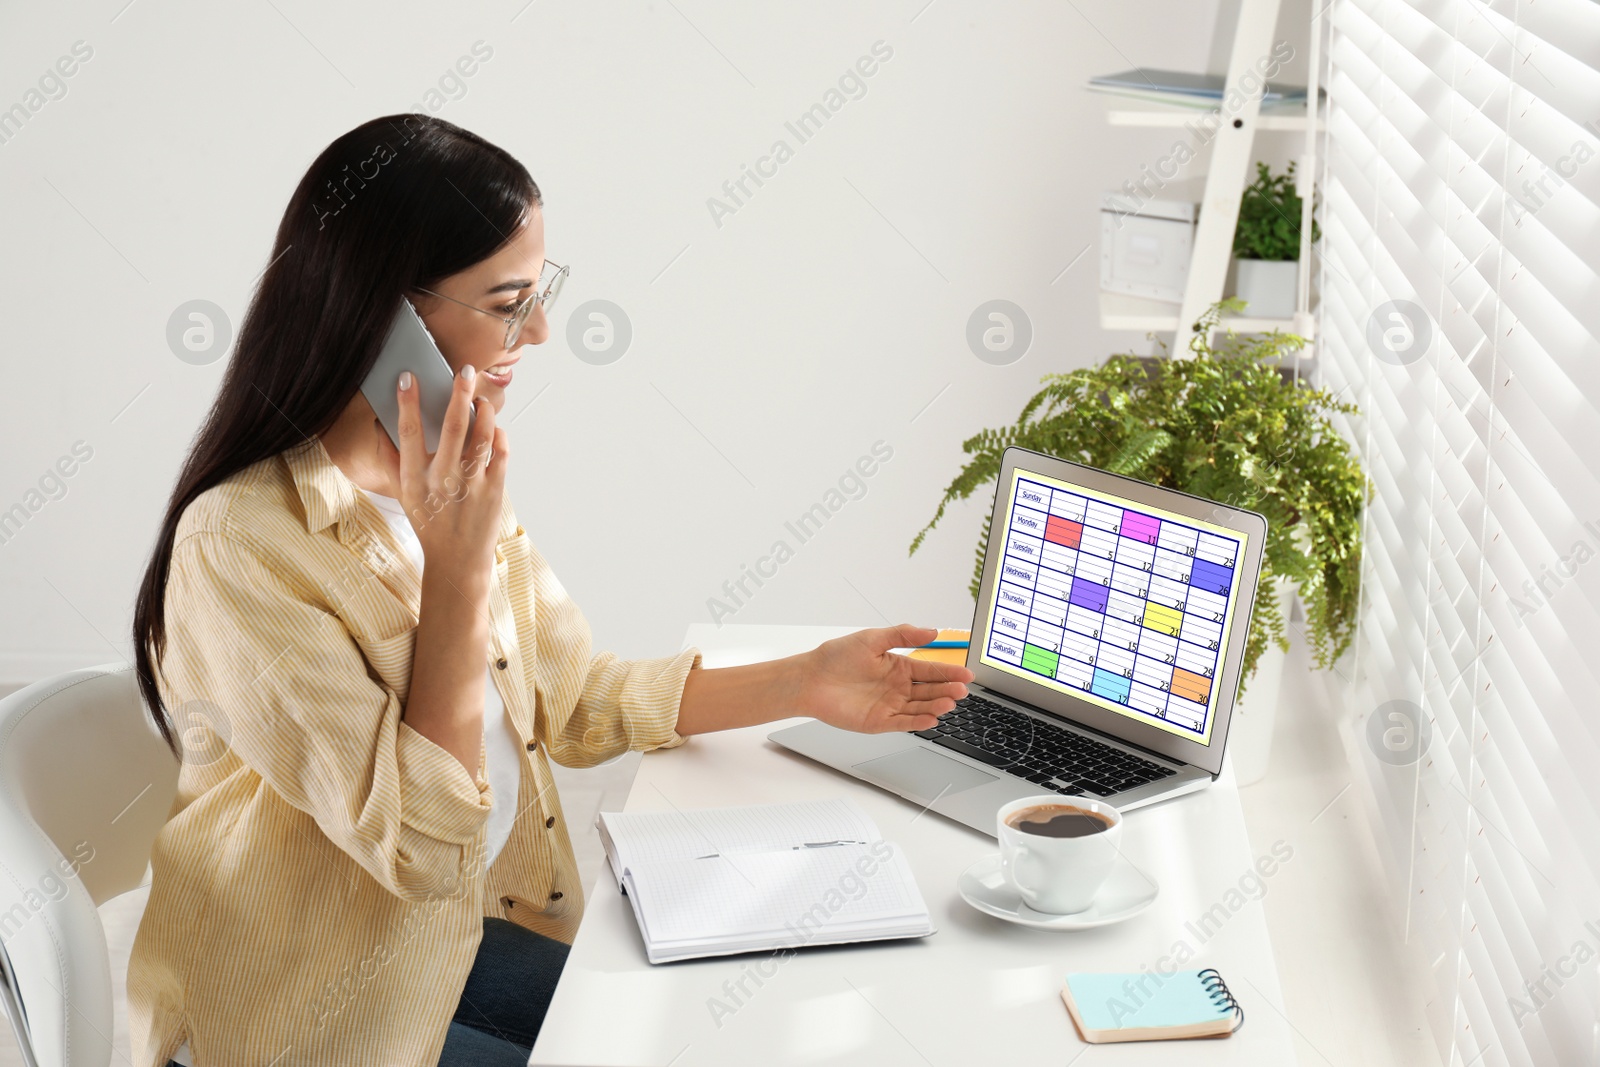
(502, 746)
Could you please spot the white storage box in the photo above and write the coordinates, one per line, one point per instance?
(1145, 248)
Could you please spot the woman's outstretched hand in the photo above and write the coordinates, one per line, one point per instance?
(852, 682)
(855, 683)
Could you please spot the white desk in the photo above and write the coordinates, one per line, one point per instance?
(977, 992)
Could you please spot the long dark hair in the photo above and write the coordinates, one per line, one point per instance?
(398, 202)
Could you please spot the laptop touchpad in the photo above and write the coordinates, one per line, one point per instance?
(922, 774)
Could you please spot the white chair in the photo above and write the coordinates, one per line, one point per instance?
(85, 779)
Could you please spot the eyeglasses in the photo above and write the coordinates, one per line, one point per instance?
(544, 294)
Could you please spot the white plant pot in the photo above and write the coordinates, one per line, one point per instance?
(1254, 716)
(1268, 287)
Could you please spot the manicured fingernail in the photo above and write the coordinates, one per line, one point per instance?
(468, 372)
(405, 380)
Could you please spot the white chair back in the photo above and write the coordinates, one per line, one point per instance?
(86, 782)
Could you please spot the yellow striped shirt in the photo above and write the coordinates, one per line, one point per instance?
(319, 888)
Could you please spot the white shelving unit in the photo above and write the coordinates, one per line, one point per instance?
(1231, 154)
(1119, 311)
(1128, 111)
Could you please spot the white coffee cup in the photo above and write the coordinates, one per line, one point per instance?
(1058, 875)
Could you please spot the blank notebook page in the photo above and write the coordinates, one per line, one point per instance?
(751, 893)
(647, 837)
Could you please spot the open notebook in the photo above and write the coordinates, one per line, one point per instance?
(715, 881)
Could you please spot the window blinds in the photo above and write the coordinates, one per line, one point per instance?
(1460, 281)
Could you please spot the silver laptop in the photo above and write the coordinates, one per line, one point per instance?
(1110, 628)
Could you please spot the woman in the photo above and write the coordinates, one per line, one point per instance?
(366, 862)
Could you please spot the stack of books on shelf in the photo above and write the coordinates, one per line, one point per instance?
(1182, 89)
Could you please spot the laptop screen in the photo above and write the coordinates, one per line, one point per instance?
(1119, 604)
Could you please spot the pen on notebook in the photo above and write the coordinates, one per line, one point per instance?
(796, 848)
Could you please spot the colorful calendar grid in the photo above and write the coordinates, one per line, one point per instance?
(1119, 604)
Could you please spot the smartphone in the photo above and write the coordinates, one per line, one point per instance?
(410, 347)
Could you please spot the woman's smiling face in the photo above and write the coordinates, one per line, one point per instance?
(495, 285)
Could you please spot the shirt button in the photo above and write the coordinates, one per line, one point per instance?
(551, 821)
(500, 663)
(532, 745)
(556, 895)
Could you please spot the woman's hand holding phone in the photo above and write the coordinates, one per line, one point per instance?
(453, 499)
(454, 496)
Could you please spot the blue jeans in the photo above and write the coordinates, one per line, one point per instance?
(507, 993)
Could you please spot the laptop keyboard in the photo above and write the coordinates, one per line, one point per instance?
(1059, 760)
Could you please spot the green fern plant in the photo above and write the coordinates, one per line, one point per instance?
(1226, 425)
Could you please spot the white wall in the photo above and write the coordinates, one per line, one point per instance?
(775, 350)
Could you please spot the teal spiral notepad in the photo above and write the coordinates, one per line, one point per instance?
(1150, 1006)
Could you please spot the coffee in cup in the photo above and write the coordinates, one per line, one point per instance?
(1058, 851)
(1059, 820)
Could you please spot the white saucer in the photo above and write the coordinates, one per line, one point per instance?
(1127, 892)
